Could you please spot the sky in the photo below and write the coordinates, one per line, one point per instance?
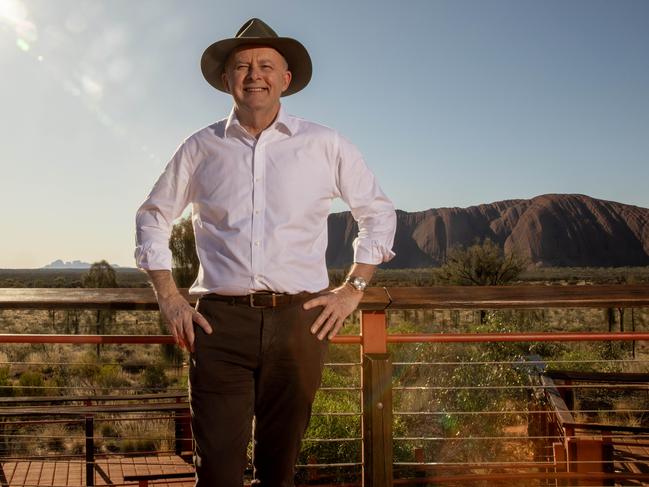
(453, 103)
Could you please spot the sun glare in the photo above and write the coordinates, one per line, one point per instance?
(15, 14)
(13, 11)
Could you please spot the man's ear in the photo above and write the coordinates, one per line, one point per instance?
(224, 78)
(288, 76)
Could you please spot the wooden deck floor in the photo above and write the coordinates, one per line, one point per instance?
(109, 471)
(632, 457)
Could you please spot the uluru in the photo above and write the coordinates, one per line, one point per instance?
(549, 230)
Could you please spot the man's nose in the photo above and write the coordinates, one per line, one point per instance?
(253, 72)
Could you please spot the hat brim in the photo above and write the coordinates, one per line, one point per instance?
(296, 55)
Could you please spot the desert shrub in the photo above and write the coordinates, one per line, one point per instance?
(155, 379)
(6, 386)
(108, 430)
(458, 381)
(31, 383)
(137, 445)
(345, 427)
(55, 436)
(334, 426)
(481, 264)
(138, 434)
(111, 377)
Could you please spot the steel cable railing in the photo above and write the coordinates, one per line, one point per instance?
(445, 425)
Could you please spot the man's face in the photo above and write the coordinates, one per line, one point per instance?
(256, 76)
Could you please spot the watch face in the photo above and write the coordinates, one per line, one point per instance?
(359, 283)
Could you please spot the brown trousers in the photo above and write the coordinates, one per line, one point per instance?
(257, 362)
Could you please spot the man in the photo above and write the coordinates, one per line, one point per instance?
(260, 183)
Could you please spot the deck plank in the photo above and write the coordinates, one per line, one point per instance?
(72, 473)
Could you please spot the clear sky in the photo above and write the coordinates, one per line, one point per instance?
(453, 103)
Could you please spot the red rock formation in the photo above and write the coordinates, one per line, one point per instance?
(551, 230)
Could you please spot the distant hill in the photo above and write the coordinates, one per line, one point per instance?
(75, 264)
(550, 230)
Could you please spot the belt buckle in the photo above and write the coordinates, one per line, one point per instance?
(251, 298)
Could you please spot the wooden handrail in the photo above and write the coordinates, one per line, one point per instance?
(616, 377)
(439, 297)
(83, 410)
(94, 398)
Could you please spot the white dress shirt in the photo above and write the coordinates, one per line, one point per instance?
(260, 206)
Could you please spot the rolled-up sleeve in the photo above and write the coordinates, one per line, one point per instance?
(370, 207)
(166, 202)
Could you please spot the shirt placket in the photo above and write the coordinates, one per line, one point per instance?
(258, 205)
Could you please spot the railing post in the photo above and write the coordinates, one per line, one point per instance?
(90, 451)
(376, 383)
(183, 430)
(588, 457)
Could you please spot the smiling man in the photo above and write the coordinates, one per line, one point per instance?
(260, 184)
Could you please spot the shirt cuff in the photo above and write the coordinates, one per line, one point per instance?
(372, 252)
(150, 258)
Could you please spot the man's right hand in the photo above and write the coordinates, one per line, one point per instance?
(179, 316)
(175, 309)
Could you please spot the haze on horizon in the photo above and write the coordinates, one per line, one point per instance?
(452, 102)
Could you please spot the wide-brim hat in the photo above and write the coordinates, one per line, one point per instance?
(256, 31)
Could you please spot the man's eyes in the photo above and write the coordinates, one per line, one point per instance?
(247, 66)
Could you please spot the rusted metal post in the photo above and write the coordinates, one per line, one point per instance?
(90, 451)
(313, 472)
(183, 430)
(588, 456)
(377, 401)
(420, 458)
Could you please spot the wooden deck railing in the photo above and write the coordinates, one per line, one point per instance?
(377, 414)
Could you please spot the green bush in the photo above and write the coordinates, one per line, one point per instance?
(6, 386)
(137, 445)
(31, 383)
(155, 379)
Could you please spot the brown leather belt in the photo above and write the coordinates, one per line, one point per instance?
(262, 299)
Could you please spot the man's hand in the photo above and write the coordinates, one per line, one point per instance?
(179, 316)
(175, 309)
(338, 304)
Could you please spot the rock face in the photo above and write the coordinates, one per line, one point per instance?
(550, 230)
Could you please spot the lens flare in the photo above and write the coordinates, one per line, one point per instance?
(15, 14)
(13, 11)
(22, 44)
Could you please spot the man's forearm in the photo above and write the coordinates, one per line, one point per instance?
(163, 283)
(366, 271)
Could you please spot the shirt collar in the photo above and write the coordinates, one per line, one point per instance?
(283, 122)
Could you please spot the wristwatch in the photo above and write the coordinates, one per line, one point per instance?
(357, 282)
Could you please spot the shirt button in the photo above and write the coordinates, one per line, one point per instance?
(256, 212)
(257, 179)
(257, 243)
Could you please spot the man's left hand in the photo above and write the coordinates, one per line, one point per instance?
(338, 304)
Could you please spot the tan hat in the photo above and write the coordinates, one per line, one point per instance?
(256, 31)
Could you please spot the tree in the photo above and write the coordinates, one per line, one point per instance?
(482, 264)
(182, 244)
(183, 251)
(102, 275)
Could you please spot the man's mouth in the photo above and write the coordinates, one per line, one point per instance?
(254, 90)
